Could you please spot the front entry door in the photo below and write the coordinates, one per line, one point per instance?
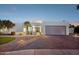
(38, 30)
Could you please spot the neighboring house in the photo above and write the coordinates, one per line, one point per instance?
(46, 28)
(71, 29)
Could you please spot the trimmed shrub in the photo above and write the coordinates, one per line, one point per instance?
(0, 33)
(20, 33)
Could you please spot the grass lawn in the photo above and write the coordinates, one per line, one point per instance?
(4, 40)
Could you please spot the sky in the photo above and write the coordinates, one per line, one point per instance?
(44, 12)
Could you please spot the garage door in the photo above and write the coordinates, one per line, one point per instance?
(55, 30)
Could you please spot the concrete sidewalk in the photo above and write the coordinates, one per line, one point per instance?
(43, 52)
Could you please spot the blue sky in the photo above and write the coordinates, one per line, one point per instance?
(45, 12)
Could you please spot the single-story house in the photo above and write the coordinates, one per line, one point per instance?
(46, 28)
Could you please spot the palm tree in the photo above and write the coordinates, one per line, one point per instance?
(27, 25)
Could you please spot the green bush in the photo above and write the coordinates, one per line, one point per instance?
(0, 33)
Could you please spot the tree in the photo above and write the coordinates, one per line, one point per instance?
(71, 26)
(77, 6)
(76, 30)
(27, 25)
(0, 24)
(6, 24)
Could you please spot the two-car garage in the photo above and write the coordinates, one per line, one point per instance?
(55, 30)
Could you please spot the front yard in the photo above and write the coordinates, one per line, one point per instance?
(39, 42)
(4, 40)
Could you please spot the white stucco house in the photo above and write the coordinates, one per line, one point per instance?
(45, 28)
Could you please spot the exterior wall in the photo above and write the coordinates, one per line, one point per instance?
(37, 24)
(43, 24)
(66, 24)
(6, 31)
(19, 26)
(67, 30)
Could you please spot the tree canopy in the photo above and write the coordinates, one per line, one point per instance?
(27, 23)
(6, 24)
(76, 30)
(71, 26)
(0, 24)
(78, 6)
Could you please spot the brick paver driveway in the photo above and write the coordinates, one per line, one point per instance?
(41, 42)
(55, 42)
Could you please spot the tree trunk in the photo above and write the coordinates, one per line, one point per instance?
(27, 30)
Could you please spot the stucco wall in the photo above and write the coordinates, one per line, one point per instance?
(18, 27)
